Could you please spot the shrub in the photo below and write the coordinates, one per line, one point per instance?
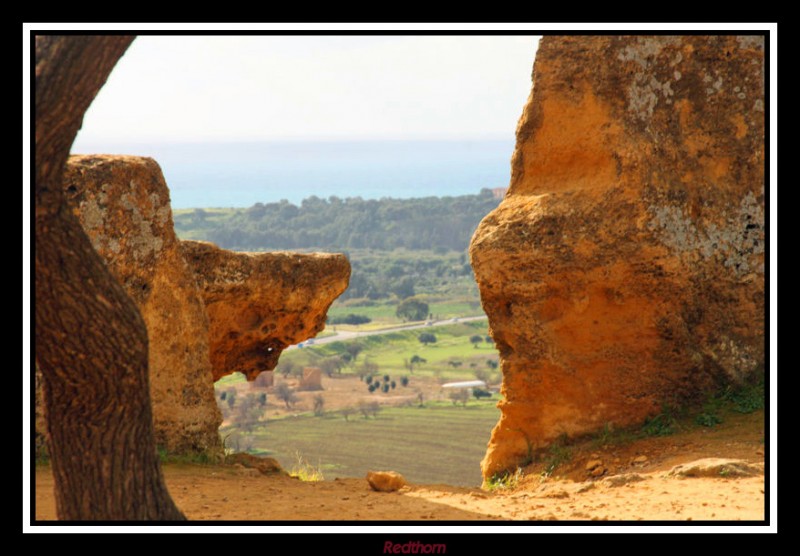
(404, 380)
(319, 405)
(427, 338)
(350, 319)
(662, 424)
(460, 396)
(285, 368)
(347, 412)
(412, 309)
(479, 393)
(286, 394)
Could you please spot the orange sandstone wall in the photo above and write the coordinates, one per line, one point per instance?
(625, 267)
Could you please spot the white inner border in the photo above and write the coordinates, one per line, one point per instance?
(532, 28)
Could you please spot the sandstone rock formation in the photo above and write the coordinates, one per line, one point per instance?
(385, 481)
(625, 267)
(260, 303)
(123, 205)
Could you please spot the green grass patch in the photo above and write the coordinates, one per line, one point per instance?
(747, 398)
(663, 424)
(557, 454)
(504, 481)
(391, 351)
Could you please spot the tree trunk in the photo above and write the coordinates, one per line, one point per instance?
(91, 341)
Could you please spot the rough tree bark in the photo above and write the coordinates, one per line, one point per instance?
(91, 341)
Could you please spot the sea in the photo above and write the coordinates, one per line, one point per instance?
(241, 174)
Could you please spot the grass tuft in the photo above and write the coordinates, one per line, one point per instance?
(504, 481)
(306, 472)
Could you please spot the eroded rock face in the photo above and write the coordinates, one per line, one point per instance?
(260, 303)
(123, 204)
(625, 267)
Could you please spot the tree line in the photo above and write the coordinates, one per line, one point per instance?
(353, 223)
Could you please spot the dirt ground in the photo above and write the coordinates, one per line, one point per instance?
(632, 482)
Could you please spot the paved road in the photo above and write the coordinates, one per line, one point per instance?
(343, 335)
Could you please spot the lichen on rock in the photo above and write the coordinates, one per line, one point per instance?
(123, 205)
(625, 267)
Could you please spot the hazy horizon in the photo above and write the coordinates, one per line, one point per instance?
(241, 174)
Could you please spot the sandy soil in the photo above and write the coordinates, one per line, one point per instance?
(635, 484)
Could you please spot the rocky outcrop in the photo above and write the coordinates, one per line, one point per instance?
(625, 267)
(258, 304)
(385, 481)
(123, 205)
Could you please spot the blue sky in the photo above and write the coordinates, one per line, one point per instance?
(230, 88)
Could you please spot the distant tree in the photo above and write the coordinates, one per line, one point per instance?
(491, 363)
(404, 380)
(347, 412)
(231, 398)
(455, 363)
(223, 395)
(351, 318)
(393, 384)
(248, 413)
(286, 368)
(427, 338)
(367, 368)
(488, 340)
(386, 378)
(385, 388)
(330, 365)
(319, 405)
(412, 309)
(368, 379)
(476, 339)
(404, 289)
(353, 349)
(364, 409)
(262, 399)
(480, 393)
(481, 374)
(417, 360)
(374, 408)
(284, 393)
(263, 380)
(460, 395)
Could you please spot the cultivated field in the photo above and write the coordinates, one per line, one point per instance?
(437, 443)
